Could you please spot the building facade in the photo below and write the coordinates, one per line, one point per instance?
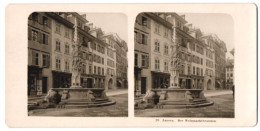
(39, 53)
(142, 63)
(110, 61)
(50, 51)
(164, 40)
(121, 62)
(229, 73)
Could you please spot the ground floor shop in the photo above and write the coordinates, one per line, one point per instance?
(160, 80)
(38, 80)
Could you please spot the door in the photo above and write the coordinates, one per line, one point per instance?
(44, 84)
(143, 85)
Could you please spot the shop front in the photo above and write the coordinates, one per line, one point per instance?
(160, 80)
(61, 79)
(34, 81)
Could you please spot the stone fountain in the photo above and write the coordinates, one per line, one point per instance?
(76, 96)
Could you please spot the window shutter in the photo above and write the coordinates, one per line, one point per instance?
(147, 61)
(49, 22)
(46, 40)
(29, 33)
(48, 61)
(33, 58)
(39, 37)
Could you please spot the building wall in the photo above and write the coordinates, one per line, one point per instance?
(39, 26)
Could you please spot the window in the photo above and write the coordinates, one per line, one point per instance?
(57, 46)
(34, 35)
(189, 70)
(57, 28)
(144, 39)
(201, 72)
(103, 72)
(194, 70)
(231, 75)
(103, 61)
(136, 59)
(58, 64)
(44, 39)
(36, 58)
(166, 66)
(45, 20)
(157, 64)
(198, 71)
(166, 32)
(45, 60)
(67, 33)
(99, 70)
(35, 16)
(67, 66)
(157, 46)
(166, 49)
(144, 21)
(95, 70)
(67, 49)
(94, 46)
(90, 69)
(201, 61)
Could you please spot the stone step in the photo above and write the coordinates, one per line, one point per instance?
(198, 100)
(89, 105)
(85, 102)
(183, 106)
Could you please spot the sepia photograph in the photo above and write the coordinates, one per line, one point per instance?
(184, 65)
(130, 65)
(77, 64)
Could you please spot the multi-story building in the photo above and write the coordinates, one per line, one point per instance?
(163, 38)
(220, 61)
(39, 52)
(121, 62)
(99, 57)
(110, 61)
(229, 73)
(62, 39)
(142, 65)
(153, 40)
(210, 62)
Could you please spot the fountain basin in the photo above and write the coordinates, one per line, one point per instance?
(178, 98)
(80, 97)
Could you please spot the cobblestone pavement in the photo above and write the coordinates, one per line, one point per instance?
(120, 109)
(223, 107)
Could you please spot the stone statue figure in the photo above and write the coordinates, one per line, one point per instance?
(76, 62)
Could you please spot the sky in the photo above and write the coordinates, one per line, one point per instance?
(110, 22)
(220, 24)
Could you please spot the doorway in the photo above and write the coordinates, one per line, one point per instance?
(143, 85)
